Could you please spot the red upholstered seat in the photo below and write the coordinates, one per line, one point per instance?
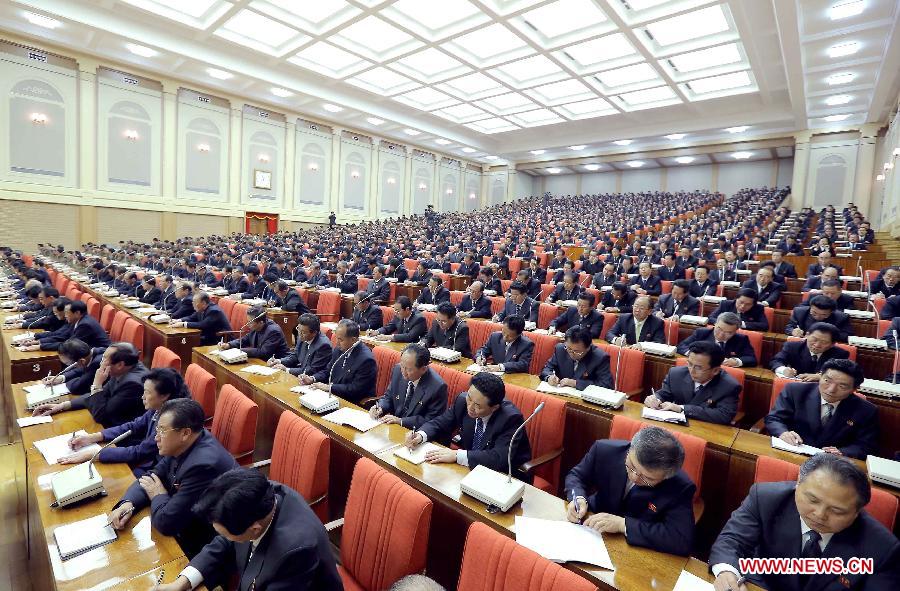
(300, 456)
(133, 332)
(234, 423)
(202, 386)
(545, 433)
(163, 357)
(385, 358)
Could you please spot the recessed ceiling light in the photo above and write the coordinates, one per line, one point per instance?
(282, 92)
(442, 141)
(554, 170)
(538, 152)
(636, 163)
(332, 108)
(738, 129)
(843, 49)
(411, 131)
(42, 21)
(675, 136)
(840, 99)
(685, 159)
(833, 118)
(592, 166)
(623, 142)
(490, 157)
(219, 74)
(741, 155)
(692, 25)
(140, 50)
(469, 150)
(846, 9)
(374, 120)
(576, 148)
(842, 78)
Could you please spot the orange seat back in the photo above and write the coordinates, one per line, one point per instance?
(756, 339)
(163, 357)
(93, 306)
(545, 430)
(202, 386)
(133, 332)
(497, 304)
(238, 316)
(479, 331)
(118, 323)
(328, 308)
(106, 317)
(234, 423)
(385, 358)
(387, 314)
(300, 457)
(456, 298)
(547, 313)
(227, 306)
(457, 381)
(626, 366)
(543, 350)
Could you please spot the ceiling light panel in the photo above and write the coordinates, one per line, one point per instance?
(375, 39)
(840, 78)
(489, 45)
(527, 72)
(140, 50)
(628, 78)
(199, 14)
(648, 99)
(691, 30)
(599, 54)
(843, 49)
(505, 7)
(563, 21)
(592, 167)
(493, 125)
(684, 159)
(313, 17)
(430, 65)
(718, 86)
(472, 87)
(506, 103)
(41, 20)
(586, 109)
(329, 60)
(382, 81)
(557, 93)
(435, 20)
(261, 33)
(713, 60)
(535, 118)
(839, 99)
(426, 99)
(462, 113)
(846, 9)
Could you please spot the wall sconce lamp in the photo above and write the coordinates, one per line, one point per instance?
(38, 118)
(313, 167)
(449, 191)
(880, 177)
(263, 158)
(392, 181)
(203, 148)
(355, 174)
(422, 186)
(131, 134)
(471, 195)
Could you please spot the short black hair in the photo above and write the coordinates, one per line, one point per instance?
(33, 292)
(252, 270)
(447, 309)
(61, 304)
(351, 328)
(310, 321)
(167, 382)
(421, 353)
(715, 353)
(657, 449)
(237, 499)
(827, 328)
(587, 296)
(74, 349)
(518, 286)
(78, 306)
(515, 323)
(747, 292)
(579, 334)
(404, 302)
(851, 368)
(823, 302)
(491, 386)
(50, 292)
(270, 277)
(186, 414)
(682, 283)
(844, 471)
(832, 283)
(125, 353)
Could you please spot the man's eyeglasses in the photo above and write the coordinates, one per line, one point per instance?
(639, 478)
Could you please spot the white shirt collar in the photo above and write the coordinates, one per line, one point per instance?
(256, 542)
(805, 528)
(822, 401)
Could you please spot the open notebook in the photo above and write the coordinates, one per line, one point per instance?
(561, 541)
(57, 447)
(416, 455)
(80, 537)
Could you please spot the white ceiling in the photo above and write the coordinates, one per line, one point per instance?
(492, 80)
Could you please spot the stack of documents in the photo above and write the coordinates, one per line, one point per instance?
(475, 368)
(561, 390)
(358, 419)
(666, 416)
(561, 541)
(804, 449)
(260, 370)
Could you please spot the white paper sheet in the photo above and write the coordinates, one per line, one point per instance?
(804, 449)
(666, 416)
(79, 537)
(689, 582)
(57, 447)
(417, 454)
(358, 419)
(561, 541)
(30, 421)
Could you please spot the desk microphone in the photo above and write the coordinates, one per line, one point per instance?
(512, 440)
(618, 368)
(93, 457)
(896, 354)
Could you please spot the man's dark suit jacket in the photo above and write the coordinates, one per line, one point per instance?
(236, 286)
(879, 286)
(624, 304)
(210, 322)
(442, 295)
(291, 302)
(689, 305)
(652, 331)
(263, 344)
(455, 337)
(716, 402)
(891, 308)
(593, 321)
(167, 300)
(184, 308)
(406, 331)
(185, 478)
(672, 274)
(516, 360)
(470, 270)
(353, 376)
(659, 517)
(853, 428)
(698, 289)
(753, 319)
(349, 284)
(79, 379)
(528, 310)
(802, 319)
(421, 279)
(310, 358)
(737, 346)
(429, 399)
(90, 331)
(593, 368)
(601, 281)
(372, 318)
(151, 296)
(795, 354)
(767, 525)
(652, 284)
(786, 269)
(481, 308)
(381, 289)
(50, 341)
(498, 433)
(294, 553)
(771, 293)
(817, 269)
(119, 401)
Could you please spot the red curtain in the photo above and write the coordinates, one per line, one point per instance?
(271, 221)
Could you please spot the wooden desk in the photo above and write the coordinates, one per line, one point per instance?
(459, 282)
(169, 570)
(288, 322)
(700, 569)
(139, 548)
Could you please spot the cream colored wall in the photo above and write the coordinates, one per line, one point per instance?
(24, 223)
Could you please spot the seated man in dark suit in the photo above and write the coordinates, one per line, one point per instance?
(190, 459)
(827, 414)
(312, 352)
(669, 271)
(168, 300)
(518, 304)
(577, 362)
(148, 293)
(58, 335)
(264, 528)
(677, 303)
(83, 327)
(435, 293)
(824, 261)
(379, 287)
(416, 393)
(751, 313)
(888, 285)
(619, 299)
(82, 363)
(407, 326)
(366, 314)
(508, 349)
(567, 290)
(256, 285)
(184, 292)
(768, 292)
(352, 370)
(814, 282)
(288, 299)
(818, 516)
(645, 283)
(833, 289)
(701, 390)
(234, 281)
(891, 308)
(448, 331)
(114, 396)
(422, 275)
(782, 268)
(637, 327)
(344, 280)
(486, 422)
(701, 285)
(804, 359)
(264, 339)
(475, 304)
(635, 488)
(396, 270)
(207, 317)
(820, 309)
(532, 284)
(468, 266)
(606, 278)
(737, 348)
(583, 315)
(890, 335)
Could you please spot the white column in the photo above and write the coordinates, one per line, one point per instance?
(865, 168)
(801, 166)
(334, 200)
(169, 141)
(290, 165)
(236, 177)
(87, 117)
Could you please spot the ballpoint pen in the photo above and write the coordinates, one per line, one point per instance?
(128, 512)
(162, 575)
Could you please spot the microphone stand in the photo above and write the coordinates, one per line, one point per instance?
(512, 440)
(93, 457)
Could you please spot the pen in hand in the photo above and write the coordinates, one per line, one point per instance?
(124, 514)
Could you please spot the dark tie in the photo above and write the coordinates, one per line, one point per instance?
(479, 434)
(815, 360)
(404, 408)
(811, 549)
(303, 355)
(721, 345)
(698, 391)
(829, 410)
